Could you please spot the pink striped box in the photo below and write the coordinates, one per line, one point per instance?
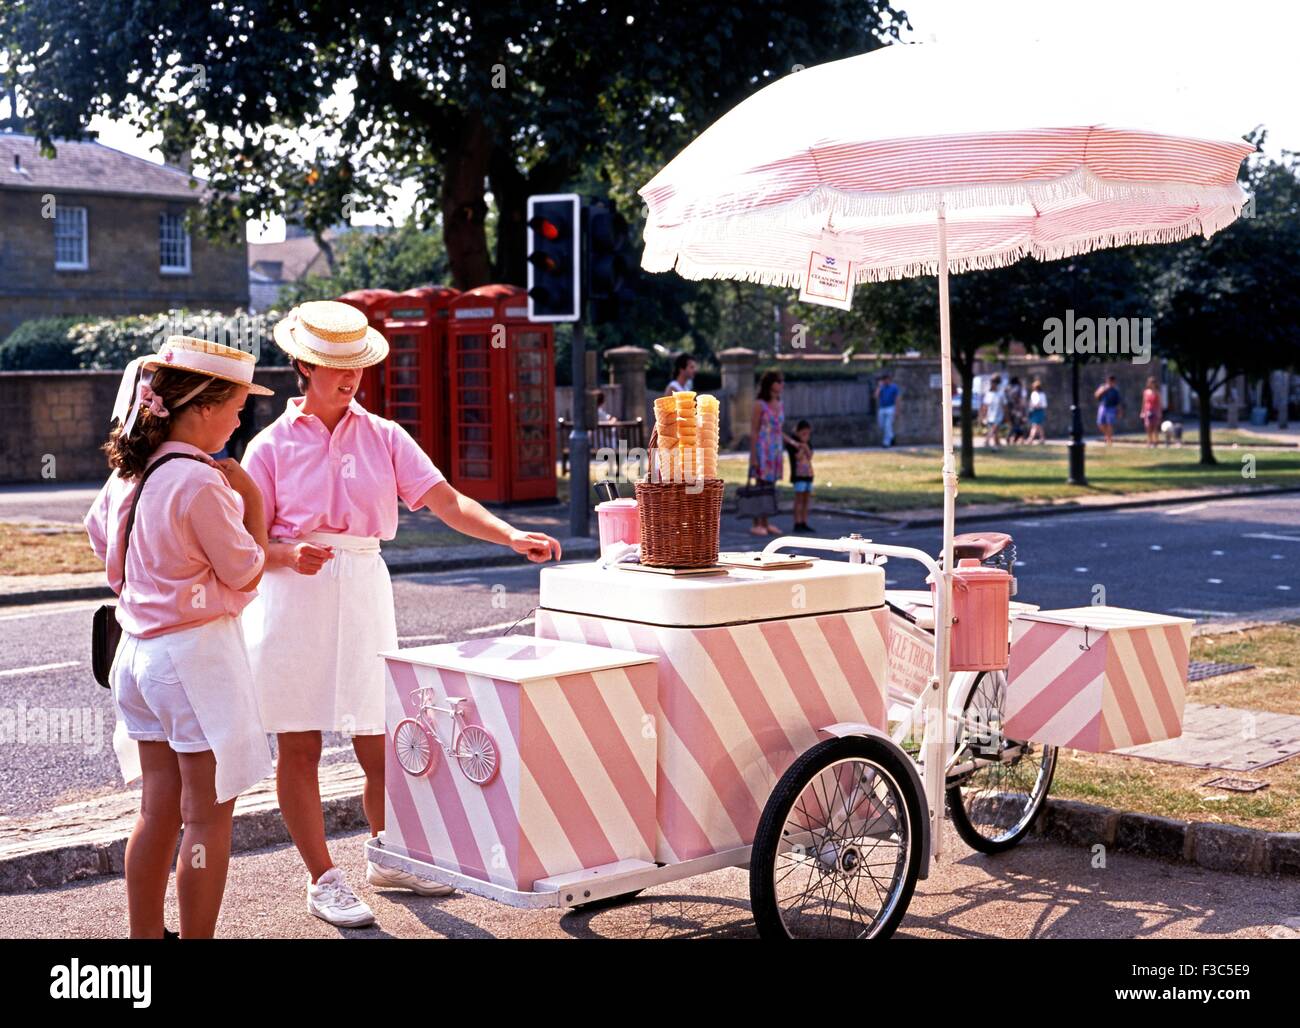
(737, 703)
(574, 731)
(1097, 678)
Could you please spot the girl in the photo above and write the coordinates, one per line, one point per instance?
(767, 439)
(187, 718)
(1037, 413)
(332, 474)
(1152, 412)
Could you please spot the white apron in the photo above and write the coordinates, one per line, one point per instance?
(314, 640)
(211, 661)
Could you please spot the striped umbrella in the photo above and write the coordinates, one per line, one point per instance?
(927, 159)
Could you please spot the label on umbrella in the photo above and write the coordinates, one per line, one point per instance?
(828, 280)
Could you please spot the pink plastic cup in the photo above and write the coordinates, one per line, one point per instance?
(618, 522)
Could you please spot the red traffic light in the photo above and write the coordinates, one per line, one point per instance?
(544, 228)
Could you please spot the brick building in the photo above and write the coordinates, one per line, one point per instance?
(97, 231)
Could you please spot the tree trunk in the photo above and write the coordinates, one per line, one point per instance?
(327, 251)
(464, 209)
(967, 373)
(510, 191)
(1203, 389)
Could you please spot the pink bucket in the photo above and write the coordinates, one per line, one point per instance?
(618, 522)
(981, 610)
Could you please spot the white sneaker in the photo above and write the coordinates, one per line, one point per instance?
(395, 878)
(332, 900)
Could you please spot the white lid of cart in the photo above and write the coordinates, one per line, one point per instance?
(1104, 618)
(741, 595)
(518, 658)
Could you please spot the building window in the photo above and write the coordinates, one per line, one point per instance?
(70, 249)
(173, 245)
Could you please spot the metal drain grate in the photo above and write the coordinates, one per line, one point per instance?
(1198, 670)
(1234, 784)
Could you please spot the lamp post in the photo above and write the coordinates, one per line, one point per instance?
(1075, 448)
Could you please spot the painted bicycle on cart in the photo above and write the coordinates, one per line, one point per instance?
(416, 741)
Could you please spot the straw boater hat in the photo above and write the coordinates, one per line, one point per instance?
(184, 353)
(332, 334)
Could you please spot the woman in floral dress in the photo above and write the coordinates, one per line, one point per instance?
(768, 440)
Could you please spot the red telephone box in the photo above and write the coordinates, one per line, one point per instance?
(502, 379)
(370, 391)
(416, 394)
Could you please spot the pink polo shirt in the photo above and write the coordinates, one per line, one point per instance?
(190, 553)
(346, 481)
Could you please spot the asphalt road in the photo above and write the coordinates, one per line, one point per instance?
(1039, 890)
(1207, 560)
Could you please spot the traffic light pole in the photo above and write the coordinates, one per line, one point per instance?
(579, 466)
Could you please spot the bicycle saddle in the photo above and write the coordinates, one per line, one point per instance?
(980, 545)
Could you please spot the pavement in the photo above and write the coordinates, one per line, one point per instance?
(1041, 889)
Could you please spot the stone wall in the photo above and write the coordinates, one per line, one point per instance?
(52, 423)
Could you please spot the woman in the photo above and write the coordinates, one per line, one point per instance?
(768, 440)
(1110, 407)
(683, 374)
(331, 474)
(187, 716)
(1037, 412)
(1152, 412)
(993, 410)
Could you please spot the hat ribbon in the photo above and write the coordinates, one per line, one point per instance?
(302, 332)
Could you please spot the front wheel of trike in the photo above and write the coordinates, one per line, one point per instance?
(997, 786)
(838, 849)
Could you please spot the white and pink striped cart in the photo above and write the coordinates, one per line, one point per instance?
(657, 727)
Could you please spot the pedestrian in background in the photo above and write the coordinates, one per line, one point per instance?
(993, 411)
(1037, 413)
(886, 406)
(1016, 412)
(801, 474)
(683, 374)
(767, 439)
(1110, 407)
(1152, 412)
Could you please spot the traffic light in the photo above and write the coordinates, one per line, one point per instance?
(554, 268)
(609, 260)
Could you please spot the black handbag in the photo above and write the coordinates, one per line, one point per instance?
(756, 501)
(105, 632)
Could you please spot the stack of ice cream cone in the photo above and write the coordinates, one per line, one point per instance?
(687, 437)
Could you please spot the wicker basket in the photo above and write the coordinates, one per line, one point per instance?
(680, 521)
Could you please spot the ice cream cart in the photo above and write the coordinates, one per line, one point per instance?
(659, 726)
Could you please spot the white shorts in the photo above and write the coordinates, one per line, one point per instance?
(151, 701)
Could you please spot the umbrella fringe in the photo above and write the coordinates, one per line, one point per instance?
(827, 203)
(1205, 225)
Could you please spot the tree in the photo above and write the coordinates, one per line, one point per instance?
(1231, 304)
(399, 259)
(507, 96)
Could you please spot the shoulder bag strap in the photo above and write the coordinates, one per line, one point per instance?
(135, 503)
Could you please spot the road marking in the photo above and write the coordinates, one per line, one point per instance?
(50, 613)
(1272, 535)
(1216, 553)
(39, 667)
(1081, 570)
(1204, 613)
(497, 627)
(1215, 581)
(1155, 546)
(1186, 510)
(1285, 588)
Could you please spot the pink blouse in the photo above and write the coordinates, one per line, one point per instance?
(346, 481)
(190, 553)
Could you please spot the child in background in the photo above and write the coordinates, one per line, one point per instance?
(801, 475)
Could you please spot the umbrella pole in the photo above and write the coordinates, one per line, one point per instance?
(936, 709)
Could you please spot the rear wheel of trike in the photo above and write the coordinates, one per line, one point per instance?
(998, 786)
(838, 849)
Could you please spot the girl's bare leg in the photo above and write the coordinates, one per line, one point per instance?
(370, 755)
(205, 847)
(297, 785)
(152, 845)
